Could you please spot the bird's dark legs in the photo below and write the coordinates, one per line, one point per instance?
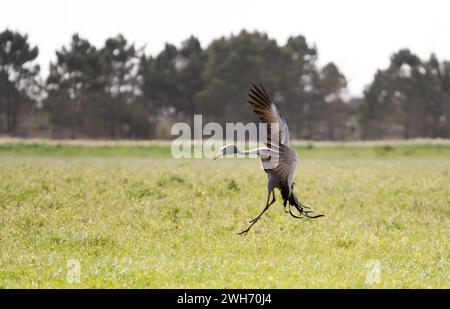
(265, 208)
(254, 220)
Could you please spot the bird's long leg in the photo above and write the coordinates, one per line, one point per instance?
(252, 222)
(265, 208)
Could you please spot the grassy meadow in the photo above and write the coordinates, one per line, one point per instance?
(136, 218)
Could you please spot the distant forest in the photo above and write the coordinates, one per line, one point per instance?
(117, 91)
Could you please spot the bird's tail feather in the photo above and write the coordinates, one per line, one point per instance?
(293, 201)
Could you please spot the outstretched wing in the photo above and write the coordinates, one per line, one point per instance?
(269, 114)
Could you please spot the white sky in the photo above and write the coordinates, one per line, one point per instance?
(358, 35)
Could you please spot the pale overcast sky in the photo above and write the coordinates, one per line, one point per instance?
(358, 35)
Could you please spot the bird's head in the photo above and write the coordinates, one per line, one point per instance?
(225, 150)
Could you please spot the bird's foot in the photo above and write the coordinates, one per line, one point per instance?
(244, 232)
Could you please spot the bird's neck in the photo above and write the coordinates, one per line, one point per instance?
(251, 151)
(248, 152)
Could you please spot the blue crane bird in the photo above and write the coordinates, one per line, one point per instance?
(281, 174)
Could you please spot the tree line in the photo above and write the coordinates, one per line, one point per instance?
(118, 91)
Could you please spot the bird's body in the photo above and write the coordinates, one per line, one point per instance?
(278, 159)
(274, 180)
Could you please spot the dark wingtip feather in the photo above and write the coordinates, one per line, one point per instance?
(265, 92)
(259, 96)
(262, 91)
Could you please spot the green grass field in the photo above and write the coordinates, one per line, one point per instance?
(136, 218)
